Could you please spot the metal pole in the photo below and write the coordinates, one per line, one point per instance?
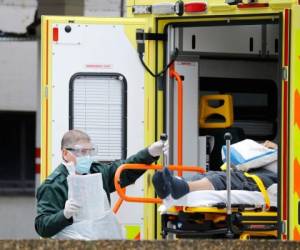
(228, 176)
(228, 138)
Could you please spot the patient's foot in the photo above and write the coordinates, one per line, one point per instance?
(179, 187)
(162, 188)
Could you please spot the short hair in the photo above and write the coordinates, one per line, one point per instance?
(72, 137)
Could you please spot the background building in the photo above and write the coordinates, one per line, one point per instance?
(20, 103)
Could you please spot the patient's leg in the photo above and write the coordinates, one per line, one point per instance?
(179, 187)
(203, 184)
(161, 187)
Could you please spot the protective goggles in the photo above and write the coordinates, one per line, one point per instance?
(83, 150)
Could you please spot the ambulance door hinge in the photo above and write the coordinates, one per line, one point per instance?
(46, 92)
(283, 227)
(284, 73)
(151, 36)
(160, 83)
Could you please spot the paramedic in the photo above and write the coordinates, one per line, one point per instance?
(166, 184)
(54, 209)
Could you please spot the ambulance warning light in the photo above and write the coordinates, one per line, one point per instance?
(160, 9)
(195, 7)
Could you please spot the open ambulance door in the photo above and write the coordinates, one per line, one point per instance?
(93, 80)
(241, 55)
(292, 63)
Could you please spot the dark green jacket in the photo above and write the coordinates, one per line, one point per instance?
(53, 193)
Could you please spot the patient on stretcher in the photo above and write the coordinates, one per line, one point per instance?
(166, 184)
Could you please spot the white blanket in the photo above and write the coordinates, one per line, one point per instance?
(209, 198)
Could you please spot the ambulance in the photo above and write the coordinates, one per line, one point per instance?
(127, 80)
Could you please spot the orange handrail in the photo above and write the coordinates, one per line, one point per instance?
(174, 74)
(121, 191)
(118, 203)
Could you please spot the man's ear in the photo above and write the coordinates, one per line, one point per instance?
(64, 154)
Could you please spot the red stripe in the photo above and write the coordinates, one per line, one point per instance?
(37, 152)
(285, 120)
(286, 37)
(37, 156)
(252, 5)
(55, 34)
(37, 168)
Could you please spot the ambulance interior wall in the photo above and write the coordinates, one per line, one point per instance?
(259, 124)
(213, 64)
(19, 83)
(243, 70)
(220, 69)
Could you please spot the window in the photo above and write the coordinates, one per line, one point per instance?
(17, 146)
(98, 107)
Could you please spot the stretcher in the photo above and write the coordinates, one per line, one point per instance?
(212, 214)
(203, 217)
(204, 214)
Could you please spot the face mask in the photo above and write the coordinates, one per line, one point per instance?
(83, 164)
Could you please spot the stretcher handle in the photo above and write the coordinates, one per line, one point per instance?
(122, 192)
(164, 138)
(175, 74)
(119, 202)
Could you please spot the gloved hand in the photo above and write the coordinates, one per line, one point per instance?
(158, 147)
(71, 208)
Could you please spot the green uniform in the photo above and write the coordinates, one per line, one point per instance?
(53, 193)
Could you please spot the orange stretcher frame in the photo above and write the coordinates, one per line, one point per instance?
(122, 191)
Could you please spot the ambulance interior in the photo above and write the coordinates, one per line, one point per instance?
(239, 59)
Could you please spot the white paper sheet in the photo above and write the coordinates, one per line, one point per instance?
(87, 191)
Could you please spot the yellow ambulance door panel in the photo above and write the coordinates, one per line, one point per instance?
(77, 44)
(294, 77)
(99, 56)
